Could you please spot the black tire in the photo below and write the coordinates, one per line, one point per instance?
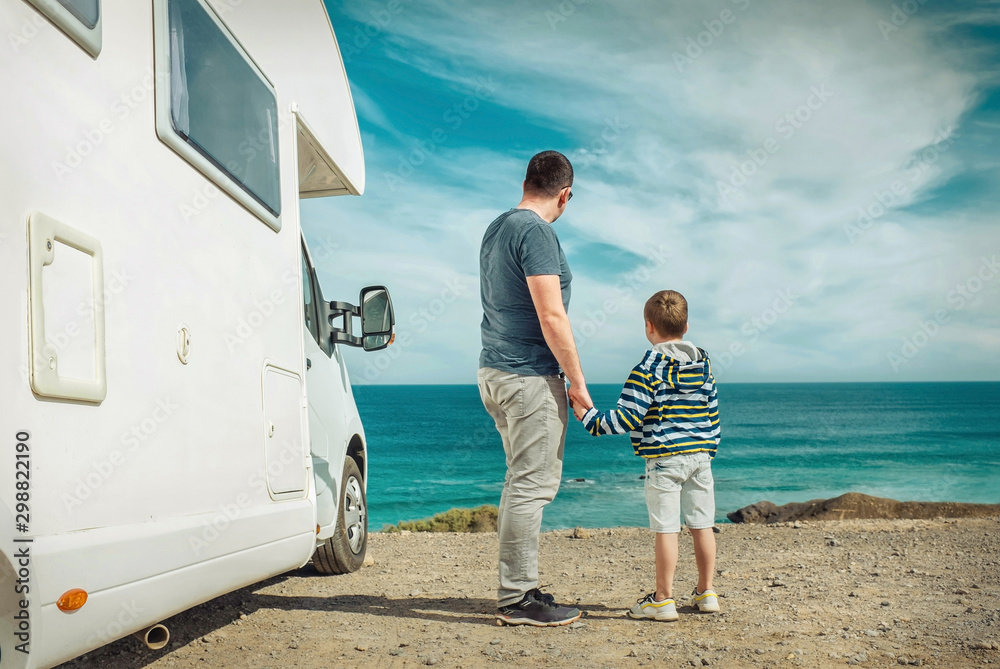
(344, 552)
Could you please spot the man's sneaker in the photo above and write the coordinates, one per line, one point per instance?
(706, 602)
(648, 607)
(539, 609)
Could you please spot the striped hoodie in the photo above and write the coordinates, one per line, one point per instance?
(668, 405)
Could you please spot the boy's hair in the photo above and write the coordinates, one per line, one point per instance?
(667, 310)
(548, 173)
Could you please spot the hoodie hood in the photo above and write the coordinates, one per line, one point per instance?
(680, 364)
(681, 351)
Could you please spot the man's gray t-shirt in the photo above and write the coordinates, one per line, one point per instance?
(518, 244)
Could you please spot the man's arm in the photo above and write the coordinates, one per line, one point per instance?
(546, 294)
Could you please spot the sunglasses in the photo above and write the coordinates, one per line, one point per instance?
(570, 196)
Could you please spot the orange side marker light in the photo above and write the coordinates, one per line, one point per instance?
(72, 600)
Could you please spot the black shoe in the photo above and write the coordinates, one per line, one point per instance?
(539, 609)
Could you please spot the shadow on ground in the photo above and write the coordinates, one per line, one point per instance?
(218, 613)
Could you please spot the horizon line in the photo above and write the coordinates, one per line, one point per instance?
(727, 383)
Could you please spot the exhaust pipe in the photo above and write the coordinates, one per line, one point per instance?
(155, 637)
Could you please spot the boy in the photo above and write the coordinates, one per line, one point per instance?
(669, 409)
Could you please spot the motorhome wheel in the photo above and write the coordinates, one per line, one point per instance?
(344, 552)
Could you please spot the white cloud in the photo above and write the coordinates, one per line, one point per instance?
(653, 145)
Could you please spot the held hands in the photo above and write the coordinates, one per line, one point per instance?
(579, 411)
(579, 400)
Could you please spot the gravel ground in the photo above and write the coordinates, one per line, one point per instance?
(818, 594)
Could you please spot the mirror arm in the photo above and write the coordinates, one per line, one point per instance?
(348, 311)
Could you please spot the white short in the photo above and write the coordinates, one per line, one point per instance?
(676, 484)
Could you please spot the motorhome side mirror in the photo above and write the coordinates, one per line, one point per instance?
(377, 318)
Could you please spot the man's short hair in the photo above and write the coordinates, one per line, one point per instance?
(667, 310)
(548, 173)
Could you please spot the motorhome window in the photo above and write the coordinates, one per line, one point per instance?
(79, 19)
(221, 105)
(87, 12)
(308, 301)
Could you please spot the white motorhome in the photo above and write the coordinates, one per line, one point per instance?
(176, 417)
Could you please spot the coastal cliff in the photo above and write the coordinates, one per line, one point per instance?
(855, 505)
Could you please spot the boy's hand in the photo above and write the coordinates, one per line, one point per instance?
(579, 411)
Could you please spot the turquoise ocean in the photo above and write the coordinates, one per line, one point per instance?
(432, 448)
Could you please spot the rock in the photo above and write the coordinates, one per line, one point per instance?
(361, 648)
(431, 660)
(761, 512)
(760, 651)
(854, 505)
(495, 642)
(886, 602)
(986, 645)
(369, 561)
(579, 533)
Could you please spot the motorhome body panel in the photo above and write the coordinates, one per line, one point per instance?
(163, 484)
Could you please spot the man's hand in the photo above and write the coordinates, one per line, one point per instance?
(580, 400)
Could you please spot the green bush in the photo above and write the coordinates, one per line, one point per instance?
(481, 519)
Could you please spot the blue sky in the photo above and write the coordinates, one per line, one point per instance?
(819, 179)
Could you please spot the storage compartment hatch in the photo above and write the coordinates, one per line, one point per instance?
(65, 312)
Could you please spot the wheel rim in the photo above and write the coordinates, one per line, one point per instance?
(354, 514)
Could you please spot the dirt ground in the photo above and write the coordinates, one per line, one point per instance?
(872, 593)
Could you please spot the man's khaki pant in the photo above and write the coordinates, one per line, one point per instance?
(531, 414)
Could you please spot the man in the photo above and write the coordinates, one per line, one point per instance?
(527, 339)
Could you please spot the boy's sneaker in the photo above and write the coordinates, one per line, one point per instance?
(648, 607)
(539, 609)
(706, 602)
